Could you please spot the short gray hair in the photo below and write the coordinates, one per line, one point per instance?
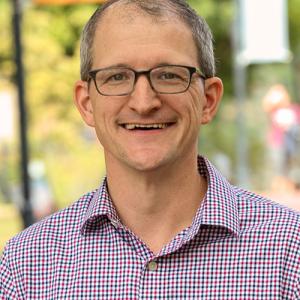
(200, 30)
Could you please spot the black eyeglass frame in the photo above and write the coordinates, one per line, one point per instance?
(137, 74)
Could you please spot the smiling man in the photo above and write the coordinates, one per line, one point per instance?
(164, 224)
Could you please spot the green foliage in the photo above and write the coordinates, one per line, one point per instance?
(50, 38)
(6, 59)
(10, 223)
(219, 16)
(294, 26)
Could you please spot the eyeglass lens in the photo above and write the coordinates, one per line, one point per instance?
(121, 81)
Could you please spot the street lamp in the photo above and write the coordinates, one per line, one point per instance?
(26, 211)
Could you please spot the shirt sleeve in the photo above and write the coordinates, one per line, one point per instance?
(7, 286)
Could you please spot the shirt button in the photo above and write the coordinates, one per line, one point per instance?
(152, 265)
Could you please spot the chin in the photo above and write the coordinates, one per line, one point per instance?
(148, 163)
(144, 166)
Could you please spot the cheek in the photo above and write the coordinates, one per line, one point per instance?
(196, 106)
(106, 114)
(101, 119)
(189, 106)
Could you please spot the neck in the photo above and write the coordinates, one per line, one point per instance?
(163, 201)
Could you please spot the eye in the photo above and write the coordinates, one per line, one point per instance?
(114, 76)
(168, 76)
(117, 77)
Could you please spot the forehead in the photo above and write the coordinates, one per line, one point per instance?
(127, 12)
(125, 28)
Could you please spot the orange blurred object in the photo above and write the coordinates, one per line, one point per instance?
(63, 2)
(277, 97)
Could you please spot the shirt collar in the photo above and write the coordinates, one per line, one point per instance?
(100, 207)
(219, 207)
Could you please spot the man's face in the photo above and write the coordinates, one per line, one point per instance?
(141, 43)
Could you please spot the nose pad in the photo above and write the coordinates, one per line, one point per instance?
(144, 99)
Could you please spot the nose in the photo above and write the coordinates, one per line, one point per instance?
(144, 99)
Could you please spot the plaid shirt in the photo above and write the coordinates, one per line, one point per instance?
(239, 246)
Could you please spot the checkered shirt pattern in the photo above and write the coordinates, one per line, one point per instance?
(239, 246)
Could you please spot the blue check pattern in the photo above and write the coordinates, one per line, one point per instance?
(239, 246)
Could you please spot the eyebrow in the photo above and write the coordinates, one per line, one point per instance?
(117, 66)
(122, 65)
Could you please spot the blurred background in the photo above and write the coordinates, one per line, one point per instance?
(49, 158)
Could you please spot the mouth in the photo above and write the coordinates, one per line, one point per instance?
(146, 127)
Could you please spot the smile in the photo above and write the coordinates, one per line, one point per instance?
(146, 126)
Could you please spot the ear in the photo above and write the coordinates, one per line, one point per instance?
(213, 93)
(83, 102)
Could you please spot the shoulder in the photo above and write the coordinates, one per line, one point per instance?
(263, 214)
(55, 230)
(271, 229)
(255, 203)
(40, 247)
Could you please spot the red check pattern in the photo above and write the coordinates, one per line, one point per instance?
(239, 246)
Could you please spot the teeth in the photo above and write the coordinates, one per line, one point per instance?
(129, 126)
(152, 126)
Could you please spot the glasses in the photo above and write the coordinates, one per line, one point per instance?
(120, 81)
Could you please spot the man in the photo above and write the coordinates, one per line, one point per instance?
(164, 224)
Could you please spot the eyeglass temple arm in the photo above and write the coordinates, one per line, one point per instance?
(200, 73)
